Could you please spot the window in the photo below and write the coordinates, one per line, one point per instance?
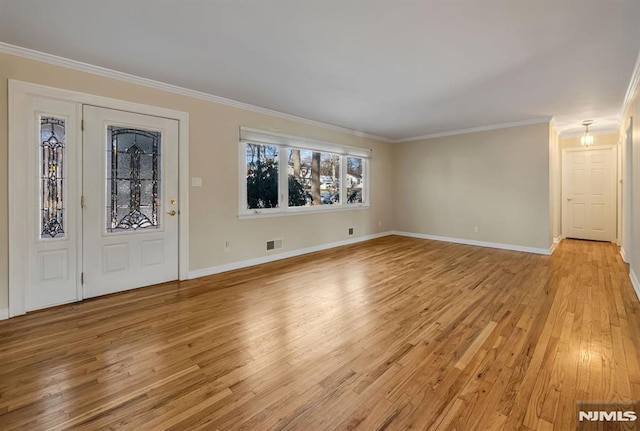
(285, 174)
(313, 178)
(355, 180)
(261, 176)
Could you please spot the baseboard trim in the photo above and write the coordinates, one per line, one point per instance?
(635, 283)
(4, 313)
(623, 255)
(546, 251)
(557, 240)
(271, 258)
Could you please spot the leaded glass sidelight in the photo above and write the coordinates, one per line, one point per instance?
(133, 183)
(52, 152)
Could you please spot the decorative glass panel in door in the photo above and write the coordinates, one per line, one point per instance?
(52, 153)
(133, 183)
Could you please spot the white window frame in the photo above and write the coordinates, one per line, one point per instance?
(284, 143)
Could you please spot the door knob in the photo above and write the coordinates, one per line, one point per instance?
(569, 199)
(172, 213)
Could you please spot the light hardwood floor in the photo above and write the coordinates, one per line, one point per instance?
(395, 334)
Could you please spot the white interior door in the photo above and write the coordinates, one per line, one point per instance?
(130, 200)
(588, 191)
(52, 196)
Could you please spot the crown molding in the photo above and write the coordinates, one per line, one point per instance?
(55, 60)
(475, 129)
(633, 87)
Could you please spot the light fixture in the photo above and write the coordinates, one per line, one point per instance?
(587, 139)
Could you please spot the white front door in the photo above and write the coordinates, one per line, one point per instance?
(130, 200)
(125, 168)
(588, 193)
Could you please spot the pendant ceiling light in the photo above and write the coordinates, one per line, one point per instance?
(587, 138)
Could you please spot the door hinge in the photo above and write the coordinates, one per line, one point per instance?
(81, 201)
(82, 125)
(82, 278)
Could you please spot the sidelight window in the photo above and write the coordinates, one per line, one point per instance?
(52, 177)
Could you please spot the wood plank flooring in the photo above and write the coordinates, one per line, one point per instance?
(390, 334)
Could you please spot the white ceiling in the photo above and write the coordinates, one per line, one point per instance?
(392, 68)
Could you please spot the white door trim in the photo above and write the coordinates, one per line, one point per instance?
(627, 190)
(18, 95)
(613, 191)
(593, 148)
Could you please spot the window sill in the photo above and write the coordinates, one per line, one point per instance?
(302, 210)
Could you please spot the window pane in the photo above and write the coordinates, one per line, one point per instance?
(133, 183)
(262, 176)
(314, 178)
(355, 180)
(52, 174)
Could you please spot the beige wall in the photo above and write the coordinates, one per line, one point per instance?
(213, 130)
(633, 249)
(497, 180)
